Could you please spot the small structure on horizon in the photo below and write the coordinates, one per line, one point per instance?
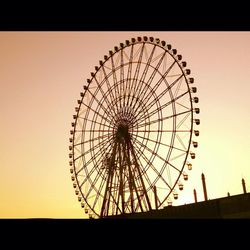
(244, 186)
(204, 186)
(195, 196)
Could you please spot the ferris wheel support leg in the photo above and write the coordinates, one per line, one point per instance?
(121, 192)
(126, 154)
(140, 176)
(107, 194)
(132, 180)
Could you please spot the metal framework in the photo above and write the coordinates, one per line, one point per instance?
(132, 131)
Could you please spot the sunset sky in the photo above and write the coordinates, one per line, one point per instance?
(41, 77)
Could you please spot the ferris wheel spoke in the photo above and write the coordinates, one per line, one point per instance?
(98, 193)
(152, 75)
(161, 107)
(151, 167)
(178, 86)
(144, 109)
(141, 81)
(103, 147)
(181, 142)
(148, 96)
(159, 131)
(139, 104)
(97, 154)
(145, 71)
(136, 74)
(162, 119)
(100, 104)
(157, 155)
(116, 90)
(109, 87)
(122, 87)
(159, 175)
(101, 184)
(178, 156)
(104, 96)
(119, 99)
(103, 143)
(182, 105)
(161, 143)
(92, 139)
(92, 170)
(129, 74)
(100, 146)
(153, 102)
(139, 152)
(98, 114)
(183, 120)
(97, 131)
(102, 128)
(93, 184)
(156, 69)
(95, 122)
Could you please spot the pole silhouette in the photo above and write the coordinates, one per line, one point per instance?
(204, 186)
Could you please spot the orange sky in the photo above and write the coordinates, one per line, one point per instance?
(41, 77)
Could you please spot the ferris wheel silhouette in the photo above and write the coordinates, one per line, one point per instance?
(132, 135)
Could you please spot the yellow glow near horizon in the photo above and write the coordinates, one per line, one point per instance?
(41, 76)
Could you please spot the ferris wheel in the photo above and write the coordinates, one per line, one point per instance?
(131, 139)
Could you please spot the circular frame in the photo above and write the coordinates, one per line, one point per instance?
(132, 131)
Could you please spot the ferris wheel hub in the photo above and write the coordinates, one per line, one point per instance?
(122, 131)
